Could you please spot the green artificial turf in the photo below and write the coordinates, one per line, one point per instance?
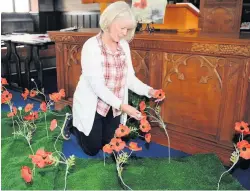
(15, 154)
(197, 172)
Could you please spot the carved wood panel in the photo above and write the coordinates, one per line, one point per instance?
(221, 16)
(203, 95)
(232, 99)
(193, 85)
(140, 60)
(72, 62)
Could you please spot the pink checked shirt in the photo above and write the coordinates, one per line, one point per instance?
(115, 72)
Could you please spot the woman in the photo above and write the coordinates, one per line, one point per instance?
(101, 98)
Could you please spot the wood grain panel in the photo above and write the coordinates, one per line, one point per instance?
(221, 16)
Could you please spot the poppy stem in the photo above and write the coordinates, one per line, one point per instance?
(45, 114)
(65, 177)
(104, 158)
(238, 156)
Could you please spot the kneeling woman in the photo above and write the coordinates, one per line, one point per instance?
(101, 98)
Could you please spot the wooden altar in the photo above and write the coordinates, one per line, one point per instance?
(206, 79)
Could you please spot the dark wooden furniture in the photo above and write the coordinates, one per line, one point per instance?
(33, 43)
(206, 79)
(222, 16)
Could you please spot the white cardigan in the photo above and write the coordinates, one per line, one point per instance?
(92, 85)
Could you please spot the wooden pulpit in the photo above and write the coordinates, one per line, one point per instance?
(180, 17)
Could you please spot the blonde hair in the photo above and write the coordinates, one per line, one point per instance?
(119, 9)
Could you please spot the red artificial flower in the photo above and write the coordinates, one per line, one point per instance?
(242, 127)
(57, 96)
(25, 94)
(107, 149)
(13, 113)
(142, 106)
(134, 147)
(6, 97)
(62, 92)
(43, 106)
(122, 131)
(53, 124)
(28, 107)
(33, 93)
(26, 174)
(159, 94)
(4, 81)
(32, 116)
(148, 137)
(117, 144)
(42, 158)
(145, 126)
(244, 148)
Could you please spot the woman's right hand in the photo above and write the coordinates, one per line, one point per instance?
(131, 111)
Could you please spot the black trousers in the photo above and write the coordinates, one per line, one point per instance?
(102, 132)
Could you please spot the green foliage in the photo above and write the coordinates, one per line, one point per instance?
(134, 100)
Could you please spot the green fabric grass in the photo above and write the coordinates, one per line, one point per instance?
(16, 151)
(197, 172)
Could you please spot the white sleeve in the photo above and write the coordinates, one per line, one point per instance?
(92, 72)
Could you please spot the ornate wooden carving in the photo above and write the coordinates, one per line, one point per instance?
(59, 47)
(206, 81)
(221, 16)
(72, 68)
(227, 49)
(192, 107)
(140, 60)
(74, 53)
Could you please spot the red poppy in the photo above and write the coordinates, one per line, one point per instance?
(43, 106)
(244, 148)
(28, 107)
(159, 94)
(4, 81)
(241, 127)
(145, 126)
(53, 124)
(33, 93)
(148, 137)
(26, 174)
(38, 161)
(6, 97)
(134, 147)
(25, 94)
(122, 131)
(142, 106)
(62, 92)
(117, 144)
(32, 116)
(13, 113)
(55, 97)
(43, 153)
(107, 149)
(42, 158)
